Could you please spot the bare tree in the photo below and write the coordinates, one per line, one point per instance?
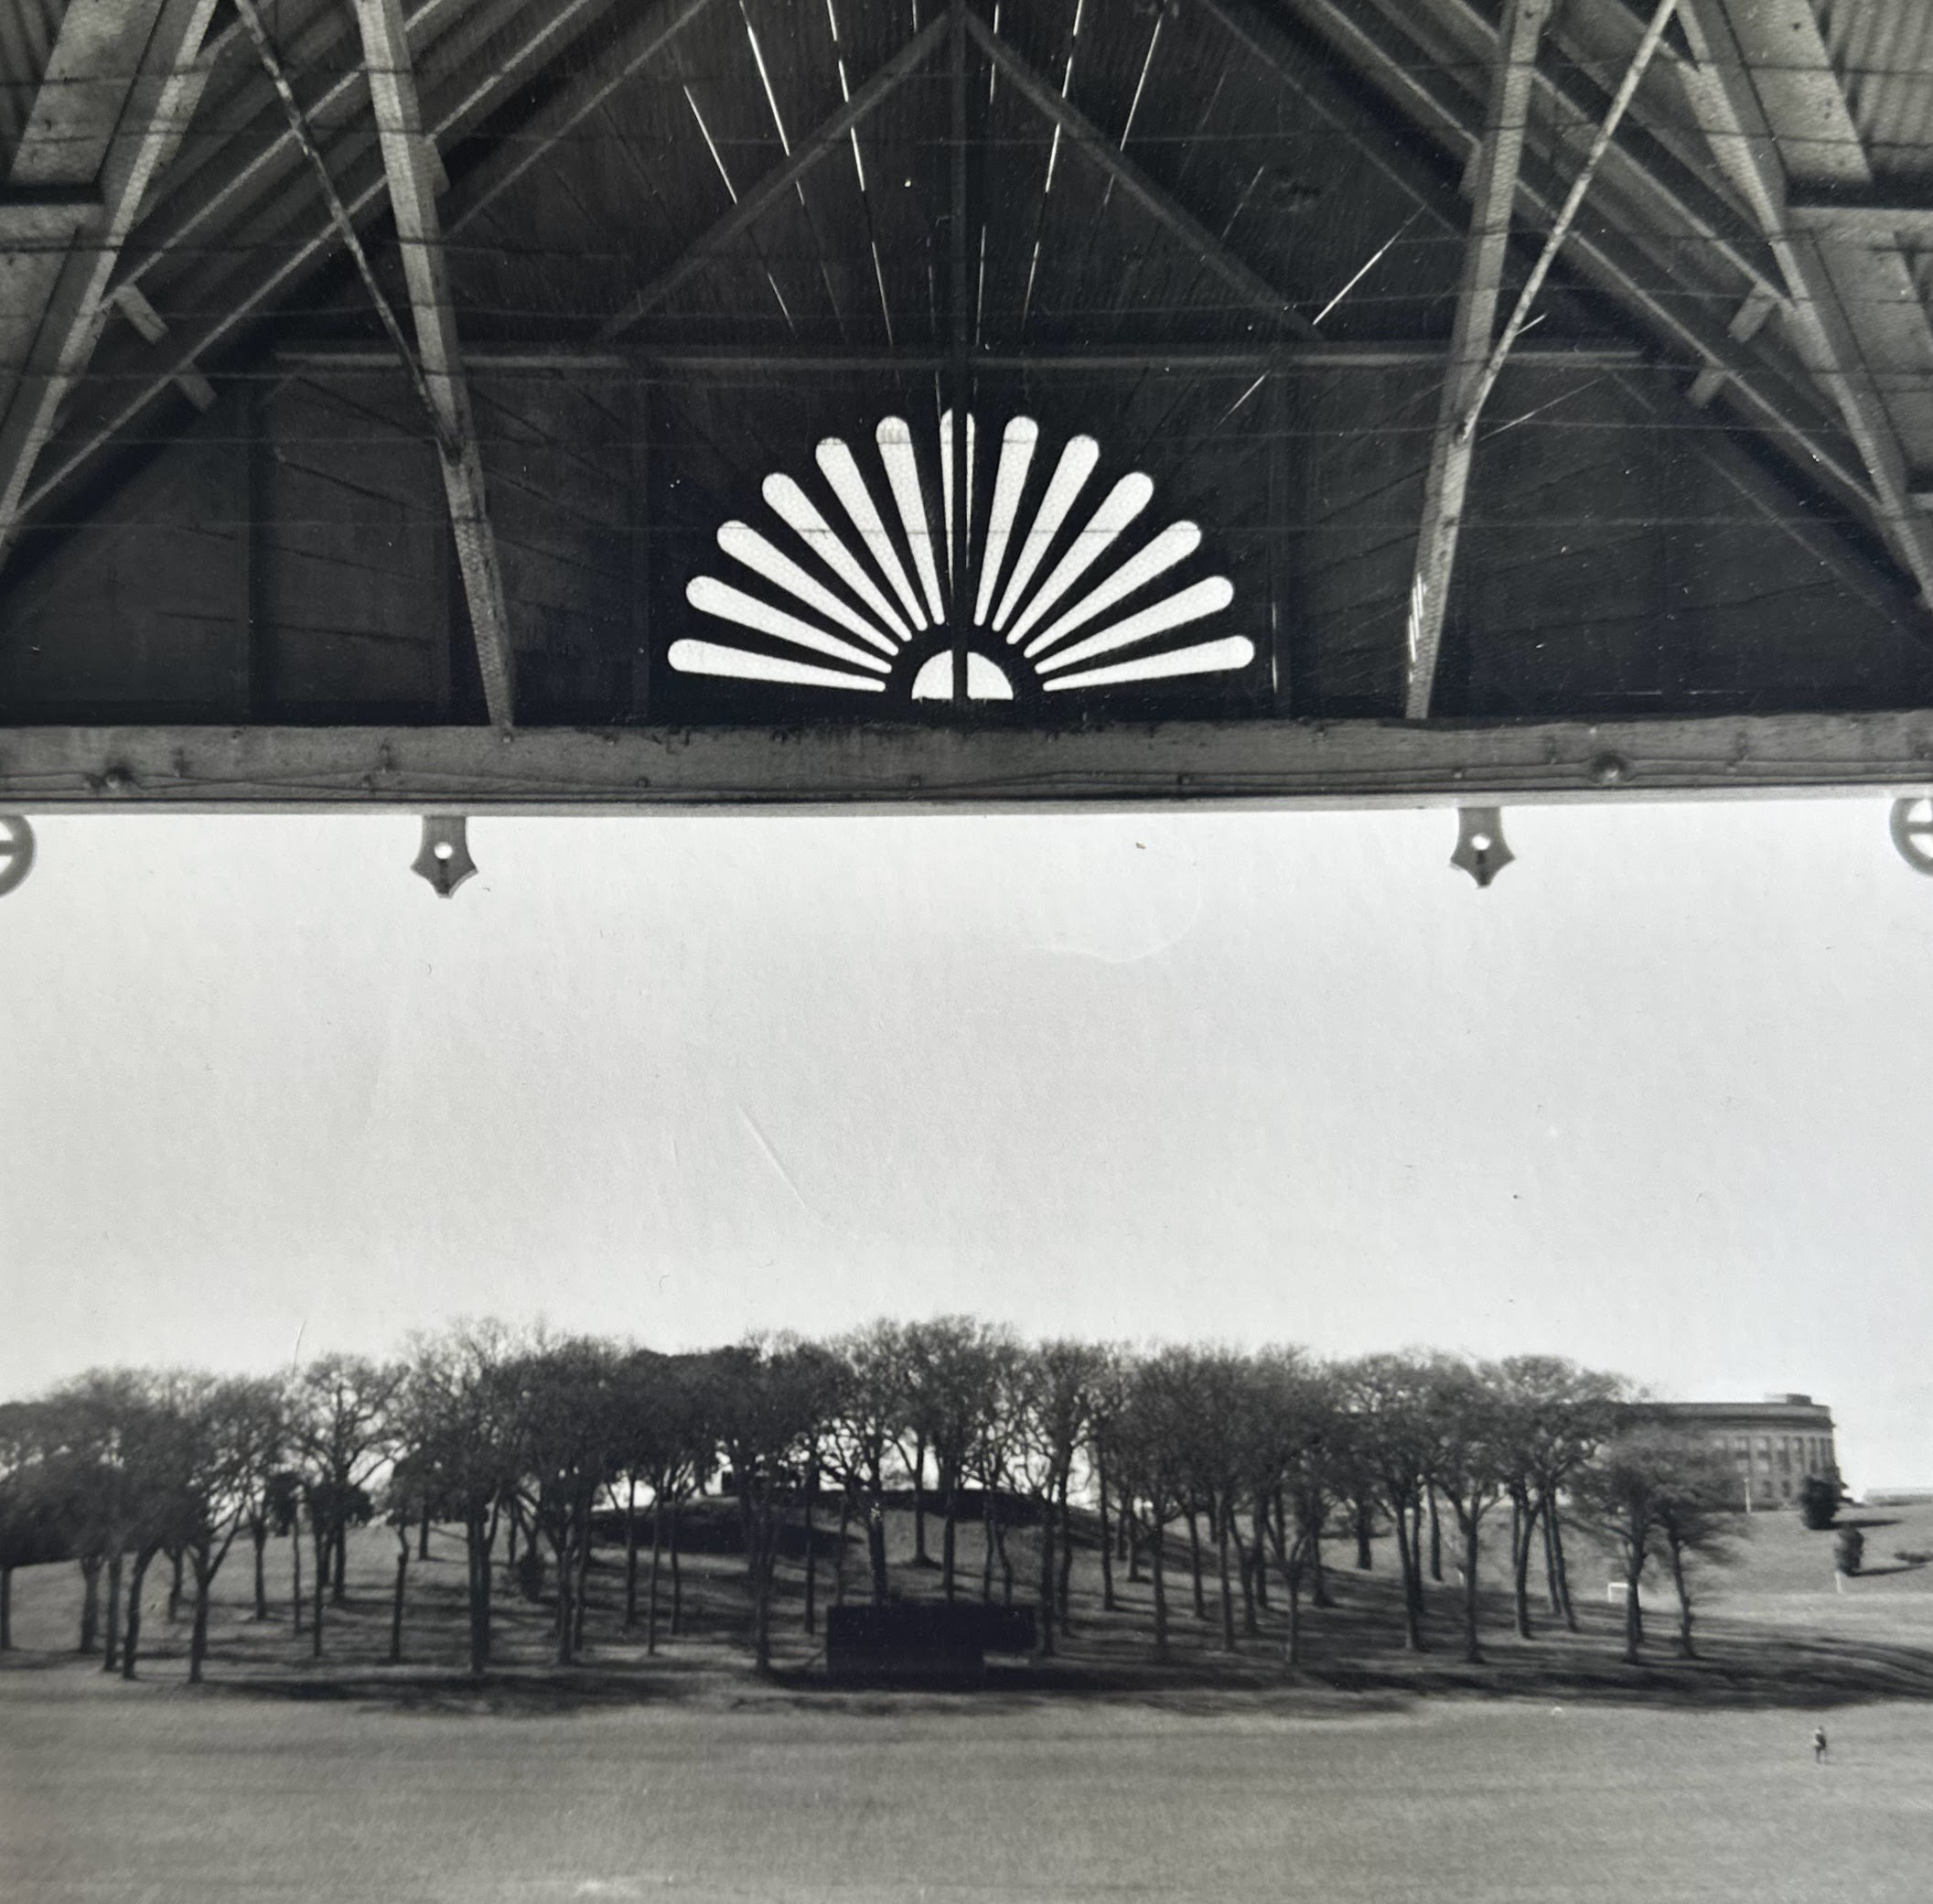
(869, 1408)
(228, 1439)
(1388, 1398)
(459, 1414)
(342, 1427)
(769, 1398)
(1555, 1416)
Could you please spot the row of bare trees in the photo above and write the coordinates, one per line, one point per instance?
(1261, 1462)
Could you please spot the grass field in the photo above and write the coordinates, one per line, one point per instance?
(1551, 1773)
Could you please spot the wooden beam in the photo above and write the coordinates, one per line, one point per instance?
(1243, 280)
(1493, 193)
(591, 360)
(83, 93)
(214, 198)
(1887, 216)
(1663, 191)
(44, 217)
(409, 162)
(753, 205)
(1261, 763)
(1366, 40)
(167, 86)
(534, 37)
(1722, 92)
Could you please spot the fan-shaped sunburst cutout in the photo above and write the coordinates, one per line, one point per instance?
(863, 612)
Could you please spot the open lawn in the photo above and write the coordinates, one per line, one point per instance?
(1550, 1773)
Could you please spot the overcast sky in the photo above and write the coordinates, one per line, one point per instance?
(1657, 1100)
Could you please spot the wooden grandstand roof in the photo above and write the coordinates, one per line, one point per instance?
(377, 378)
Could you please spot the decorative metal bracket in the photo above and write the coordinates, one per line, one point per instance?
(445, 856)
(1913, 831)
(16, 852)
(1481, 850)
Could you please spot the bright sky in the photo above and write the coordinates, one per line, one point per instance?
(1657, 1100)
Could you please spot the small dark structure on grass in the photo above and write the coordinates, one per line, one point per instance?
(922, 1642)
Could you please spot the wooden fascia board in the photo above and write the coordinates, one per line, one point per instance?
(1265, 764)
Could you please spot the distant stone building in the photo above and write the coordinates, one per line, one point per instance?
(1774, 1444)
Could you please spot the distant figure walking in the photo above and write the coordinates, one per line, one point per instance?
(1818, 1745)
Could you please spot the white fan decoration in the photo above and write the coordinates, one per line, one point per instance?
(891, 596)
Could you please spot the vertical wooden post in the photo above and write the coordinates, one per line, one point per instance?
(251, 409)
(639, 413)
(1285, 518)
(960, 595)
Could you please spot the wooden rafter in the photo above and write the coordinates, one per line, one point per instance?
(1745, 143)
(751, 205)
(534, 36)
(1493, 194)
(1242, 279)
(1365, 39)
(410, 164)
(168, 78)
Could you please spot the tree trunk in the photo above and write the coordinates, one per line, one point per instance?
(1228, 1597)
(112, 1659)
(1107, 1539)
(198, 1636)
(1155, 1559)
(1634, 1613)
(1259, 1526)
(1201, 1604)
(875, 1548)
(630, 1555)
(812, 1553)
(920, 1557)
(1684, 1588)
(566, 1581)
(1319, 1573)
(582, 1607)
(1047, 1593)
(845, 1525)
(1067, 1550)
(173, 1585)
(651, 1615)
(1245, 1571)
(1364, 1559)
(422, 1536)
(403, 1570)
(340, 1568)
(1550, 1554)
(1408, 1554)
(295, 1548)
(947, 1533)
(1560, 1572)
(986, 1550)
(1006, 1564)
(7, 1608)
(1472, 1651)
(1524, 1531)
(1435, 1539)
(322, 1554)
(1291, 1650)
(258, 1537)
(90, 1602)
(478, 1541)
(131, 1632)
(677, 1572)
(762, 1596)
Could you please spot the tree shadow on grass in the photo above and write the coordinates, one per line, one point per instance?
(508, 1692)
